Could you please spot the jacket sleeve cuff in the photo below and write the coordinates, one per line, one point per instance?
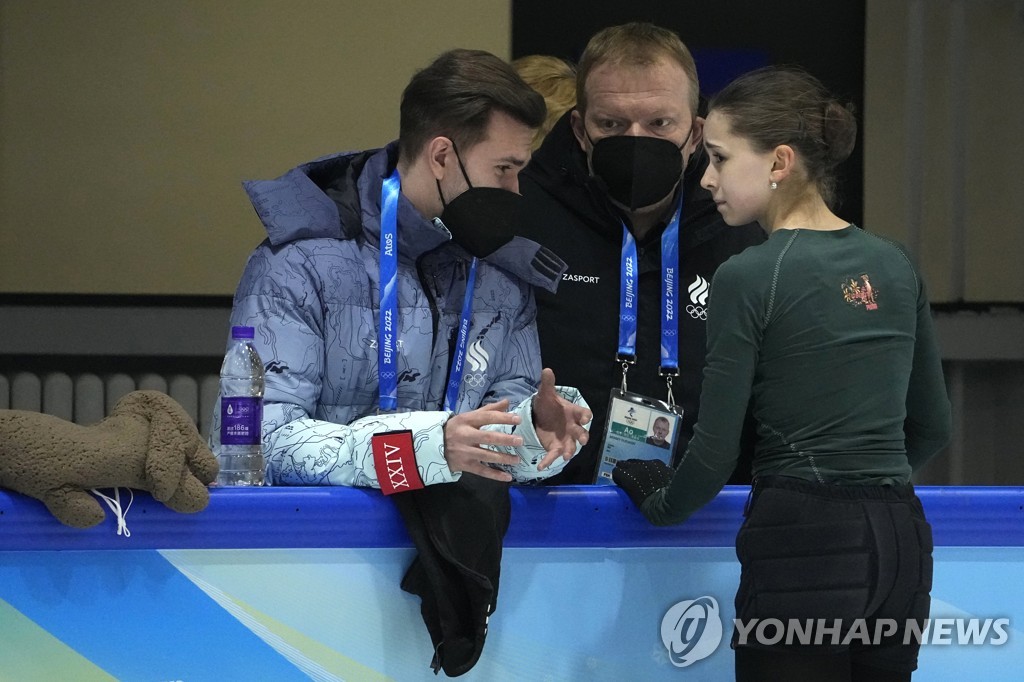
(427, 429)
(429, 444)
(532, 452)
(313, 452)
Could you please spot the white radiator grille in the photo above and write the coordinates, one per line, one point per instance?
(87, 398)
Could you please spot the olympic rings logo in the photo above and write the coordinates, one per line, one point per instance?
(475, 380)
(697, 312)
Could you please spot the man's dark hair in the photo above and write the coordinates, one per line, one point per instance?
(455, 96)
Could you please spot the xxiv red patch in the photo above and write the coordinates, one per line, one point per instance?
(395, 461)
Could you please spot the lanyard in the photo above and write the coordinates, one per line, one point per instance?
(387, 345)
(628, 301)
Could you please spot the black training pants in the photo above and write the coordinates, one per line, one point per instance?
(836, 553)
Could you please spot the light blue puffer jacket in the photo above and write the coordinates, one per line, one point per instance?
(311, 290)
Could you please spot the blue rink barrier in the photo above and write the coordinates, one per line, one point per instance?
(302, 583)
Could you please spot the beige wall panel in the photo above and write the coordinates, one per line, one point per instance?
(885, 134)
(127, 126)
(891, 206)
(995, 162)
(935, 151)
(936, 239)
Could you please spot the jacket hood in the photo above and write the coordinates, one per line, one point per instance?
(338, 196)
(298, 205)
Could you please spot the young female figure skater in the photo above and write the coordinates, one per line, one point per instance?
(824, 332)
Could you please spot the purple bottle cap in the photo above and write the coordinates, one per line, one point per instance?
(242, 332)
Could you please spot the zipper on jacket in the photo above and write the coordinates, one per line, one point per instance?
(431, 297)
(431, 288)
(453, 336)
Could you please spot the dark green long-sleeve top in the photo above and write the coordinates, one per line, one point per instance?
(828, 337)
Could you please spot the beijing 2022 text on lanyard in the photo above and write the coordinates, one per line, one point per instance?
(640, 427)
(387, 346)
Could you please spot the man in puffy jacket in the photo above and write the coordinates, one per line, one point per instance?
(393, 308)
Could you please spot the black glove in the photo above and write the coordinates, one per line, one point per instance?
(641, 478)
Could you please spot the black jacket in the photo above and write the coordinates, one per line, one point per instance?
(567, 211)
(458, 529)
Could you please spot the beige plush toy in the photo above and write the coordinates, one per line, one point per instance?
(147, 443)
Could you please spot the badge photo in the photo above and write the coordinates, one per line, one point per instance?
(638, 427)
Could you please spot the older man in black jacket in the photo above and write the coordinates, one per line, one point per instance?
(612, 172)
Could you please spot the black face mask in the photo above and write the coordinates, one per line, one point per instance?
(638, 171)
(481, 219)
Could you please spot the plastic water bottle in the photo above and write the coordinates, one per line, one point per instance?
(241, 412)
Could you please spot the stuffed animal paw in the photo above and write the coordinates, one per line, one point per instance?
(147, 442)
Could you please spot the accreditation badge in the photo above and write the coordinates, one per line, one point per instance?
(638, 427)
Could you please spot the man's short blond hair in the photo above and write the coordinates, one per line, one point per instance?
(635, 44)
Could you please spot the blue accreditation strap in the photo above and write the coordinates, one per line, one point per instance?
(627, 297)
(669, 296)
(387, 346)
(387, 342)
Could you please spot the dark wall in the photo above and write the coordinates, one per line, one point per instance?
(727, 37)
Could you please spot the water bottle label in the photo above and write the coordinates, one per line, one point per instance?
(240, 420)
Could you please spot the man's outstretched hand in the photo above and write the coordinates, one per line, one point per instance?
(465, 438)
(559, 423)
